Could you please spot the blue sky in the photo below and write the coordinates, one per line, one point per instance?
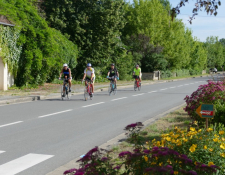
(203, 25)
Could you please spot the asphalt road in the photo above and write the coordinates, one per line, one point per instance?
(38, 137)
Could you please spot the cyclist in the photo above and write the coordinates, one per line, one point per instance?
(67, 75)
(113, 73)
(89, 74)
(137, 73)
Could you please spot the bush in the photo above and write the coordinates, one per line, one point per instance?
(155, 160)
(166, 74)
(208, 93)
(206, 146)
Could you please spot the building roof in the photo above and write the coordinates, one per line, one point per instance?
(4, 21)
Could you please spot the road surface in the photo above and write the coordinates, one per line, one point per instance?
(38, 137)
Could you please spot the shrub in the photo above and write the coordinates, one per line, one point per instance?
(208, 93)
(205, 146)
(155, 160)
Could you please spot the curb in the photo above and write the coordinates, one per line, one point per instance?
(113, 142)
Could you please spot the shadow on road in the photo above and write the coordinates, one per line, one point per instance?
(57, 99)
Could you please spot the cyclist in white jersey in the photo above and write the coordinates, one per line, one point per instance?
(89, 74)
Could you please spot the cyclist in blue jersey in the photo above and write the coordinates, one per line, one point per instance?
(66, 74)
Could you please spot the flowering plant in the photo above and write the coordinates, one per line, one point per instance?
(208, 93)
(206, 146)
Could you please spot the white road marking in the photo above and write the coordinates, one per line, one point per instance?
(180, 86)
(93, 104)
(119, 99)
(15, 166)
(138, 94)
(186, 84)
(152, 91)
(1, 151)
(163, 89)
(55, 113)
(10, 124)
(173, 87)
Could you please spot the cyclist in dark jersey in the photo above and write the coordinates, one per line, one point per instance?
(66, 74)
(113, 73)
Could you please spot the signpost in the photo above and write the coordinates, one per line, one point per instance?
(206, 111)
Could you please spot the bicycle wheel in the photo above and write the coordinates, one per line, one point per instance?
(114, 89)
(85, 94)
(68, 93)
(90, 94)
(139, 88)
(135, 85)
(62, 93)
(110, 89)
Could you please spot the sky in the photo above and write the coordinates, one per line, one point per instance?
(203, 25)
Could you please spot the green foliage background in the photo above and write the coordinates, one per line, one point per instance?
(52, 32)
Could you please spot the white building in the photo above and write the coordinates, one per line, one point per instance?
(6, 79)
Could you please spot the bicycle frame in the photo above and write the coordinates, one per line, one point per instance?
(137, 82)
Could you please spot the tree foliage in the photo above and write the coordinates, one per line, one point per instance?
(93, 25)
(41, 54)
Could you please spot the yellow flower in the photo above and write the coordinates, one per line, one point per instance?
(211, 150)
(153, 163)
(192, 129)
(146, 158)
(221, 132)
(158, 143)
(222, 146)
(179, 143)
(153, 140)
(195, 145)
(222, 154)
(146, 143)
(200, 138)
(196, 163)
(205, 147)
(185, 140)
(160, 164)
(215, 140)
(210, 163)
(209, 129)
(175, 127)
(192, 148)
(195, 122)
(175, 172)
(223, 139)
(173, 141)
(199, 130)
(156, 158)
(168, 139)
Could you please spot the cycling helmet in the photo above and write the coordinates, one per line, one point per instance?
(112, 64)
(89, 65)
(137, 65)
(65, 65)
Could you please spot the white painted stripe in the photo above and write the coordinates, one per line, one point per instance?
(186, 84)
(163, 89)
(173, 87)
(138, 94)
(55, 113)
(119, 99)
(1, 151)
(15, 166)
(93, 104)
(180, 86)
(152, 91)
(10, 124)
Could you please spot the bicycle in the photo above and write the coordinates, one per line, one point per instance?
(65, 89)
(137, 83)
(88, 90)
(112, 86)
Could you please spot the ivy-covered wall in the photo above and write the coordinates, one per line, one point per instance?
(43, 49)
(10, 51)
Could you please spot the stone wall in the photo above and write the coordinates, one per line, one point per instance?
(151, 75)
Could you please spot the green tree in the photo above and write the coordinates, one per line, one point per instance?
(93, 25)
(214, 49)
(41, 53)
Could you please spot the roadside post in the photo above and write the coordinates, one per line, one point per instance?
(206, 111)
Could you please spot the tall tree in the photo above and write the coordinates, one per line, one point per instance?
(93, 25)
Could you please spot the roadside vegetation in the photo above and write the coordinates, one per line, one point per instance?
(49, 33)
(178, 143)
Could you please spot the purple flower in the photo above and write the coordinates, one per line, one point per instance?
(104, 158)
(124, 153)
(70, 171)
(146, 151)
(117, 167)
